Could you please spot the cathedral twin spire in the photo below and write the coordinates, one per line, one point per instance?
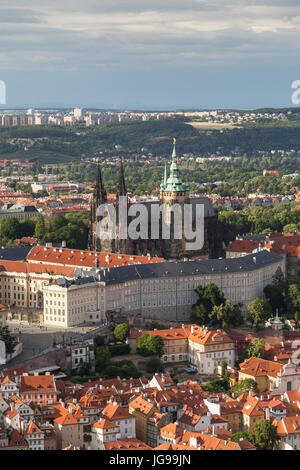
(100, 192)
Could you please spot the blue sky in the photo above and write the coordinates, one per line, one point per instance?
(158, 54)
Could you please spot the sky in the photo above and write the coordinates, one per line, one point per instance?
(149, 54)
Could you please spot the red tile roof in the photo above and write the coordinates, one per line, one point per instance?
(69, 257)
(37, 383)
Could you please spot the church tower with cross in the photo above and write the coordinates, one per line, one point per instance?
(174, 192)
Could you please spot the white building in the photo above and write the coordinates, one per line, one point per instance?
(104, 431)
(209, 348)
(164, 291)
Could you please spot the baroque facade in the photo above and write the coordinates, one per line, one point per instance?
(173, 191)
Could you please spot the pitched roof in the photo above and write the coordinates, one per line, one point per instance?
(16, 439)
(127, 444)
(105, 424)
(141, 405)
(115, 411)
(66, 420)
(242, 246)
(288, 425)
(257, 367)
(33, 429)
(206, 336)
(37, 383)
(70, 257)
(253, 407)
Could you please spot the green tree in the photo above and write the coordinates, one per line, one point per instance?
(225, 315)
(150, 345)
(276, 292)
(40, 228)
(10, 228)
(244, 386)
(294, 294)
(154, 365)
(242, 435)
(259, 311)
(256, 348)
(99, 340)
(199, 314)
(296, 317)
(224, 371)
(121, 332)
(209, 297)
(7, 338)
(265, 435)
(216, 386)
(102, 356)
(27, 228)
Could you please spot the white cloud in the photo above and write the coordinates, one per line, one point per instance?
(70, 33)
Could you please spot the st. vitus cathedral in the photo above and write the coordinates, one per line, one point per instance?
(173, 190)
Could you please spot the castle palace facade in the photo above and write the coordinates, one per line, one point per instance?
(174, 192)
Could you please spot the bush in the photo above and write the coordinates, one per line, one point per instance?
(154, 365)
(102, 356)
(123, 369)
(119, 349)
(216, 386)
(99, 340)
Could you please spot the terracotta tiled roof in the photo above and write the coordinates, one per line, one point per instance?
(114, 411)
(105, 424)
(66, 420)
(127, 444)
(141, 405)
(253, 407)
(37, 383)
(17, 440)
(257, 367)
(171, 431)
(242, 246)
(69, 257)
(206, 336)
(33, 429)
(170, 334)
(289, 425)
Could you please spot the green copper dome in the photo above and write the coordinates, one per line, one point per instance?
(174, 183)
(277, 320)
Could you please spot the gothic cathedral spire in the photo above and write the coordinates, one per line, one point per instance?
(101, 196)
(121, 191)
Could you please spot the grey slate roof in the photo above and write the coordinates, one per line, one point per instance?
(14, 254)
(184, 268)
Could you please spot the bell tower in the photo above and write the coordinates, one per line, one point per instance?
(174, 191)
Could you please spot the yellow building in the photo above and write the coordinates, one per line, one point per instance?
(142, 410)
(263, 372)
(175, 343)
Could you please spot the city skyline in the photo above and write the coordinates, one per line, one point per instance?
(148, 55)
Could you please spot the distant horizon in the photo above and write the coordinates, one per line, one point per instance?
(135, 109)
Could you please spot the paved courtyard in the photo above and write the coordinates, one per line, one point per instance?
(38, 338)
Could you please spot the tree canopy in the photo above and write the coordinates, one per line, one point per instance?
(150, 345)
(121, 332)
